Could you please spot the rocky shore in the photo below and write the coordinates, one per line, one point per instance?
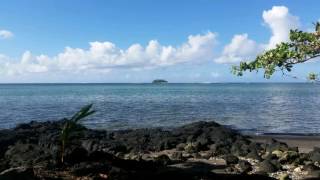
(202, 150)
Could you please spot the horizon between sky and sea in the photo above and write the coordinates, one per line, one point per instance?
(147, 89)
(126, 43)
(252, 108)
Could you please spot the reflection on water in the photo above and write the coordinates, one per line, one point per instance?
(270, 108)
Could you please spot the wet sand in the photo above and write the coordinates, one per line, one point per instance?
(304, 143)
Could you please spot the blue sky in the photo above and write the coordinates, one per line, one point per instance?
(138, 41)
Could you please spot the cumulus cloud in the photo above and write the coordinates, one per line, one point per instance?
(241, 48)
(28, 64)
(5, 34)
(105, 56)
(280, 21)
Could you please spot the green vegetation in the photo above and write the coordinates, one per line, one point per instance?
(302, 47)
(313, 77)
(71, 124)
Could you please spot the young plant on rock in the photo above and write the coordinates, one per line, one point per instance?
(70, 126)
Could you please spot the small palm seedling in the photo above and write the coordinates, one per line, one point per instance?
(70, 126)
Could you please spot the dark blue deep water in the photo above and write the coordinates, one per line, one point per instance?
(252, 108)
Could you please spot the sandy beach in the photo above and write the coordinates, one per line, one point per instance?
(304, 143)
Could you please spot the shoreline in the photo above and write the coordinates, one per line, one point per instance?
(305, 143)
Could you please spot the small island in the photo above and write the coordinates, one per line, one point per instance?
(159, 81)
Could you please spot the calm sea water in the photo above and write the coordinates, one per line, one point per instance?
(252, 108)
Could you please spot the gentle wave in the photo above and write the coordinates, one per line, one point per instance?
(250, 107)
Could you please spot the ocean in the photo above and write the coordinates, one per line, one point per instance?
(252, 108)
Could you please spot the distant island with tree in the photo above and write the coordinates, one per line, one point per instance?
(159, 81)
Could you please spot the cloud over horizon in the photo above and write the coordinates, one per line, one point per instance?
(239, 49)
(5, 34)
(278, 19)
(107, 56)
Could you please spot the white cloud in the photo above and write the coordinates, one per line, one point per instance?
(240, 47)
(280, 21)
(104, 56)
(5, 34)
(28, 64)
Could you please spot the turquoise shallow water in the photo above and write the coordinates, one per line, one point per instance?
(253, 108)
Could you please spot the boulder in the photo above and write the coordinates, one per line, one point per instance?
(206, 154)
(220, 149)
(230, 159)
(288, 157)
(255, 146)
(4, 164)
(180, 146)
(267, 167)
(244, 166)
(26, 155)
(191, 148)
(177, 155)
(269, 156)
(278, 153)
(202, 143)
(239, 150)
(75, 155)
(196, 155)
(163, 160)
(276, 145)
(276, 164)
(254, 155)
(284, 177)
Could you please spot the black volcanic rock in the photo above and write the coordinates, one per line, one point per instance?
(267, 166)
(95, 153)
(36, 141)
